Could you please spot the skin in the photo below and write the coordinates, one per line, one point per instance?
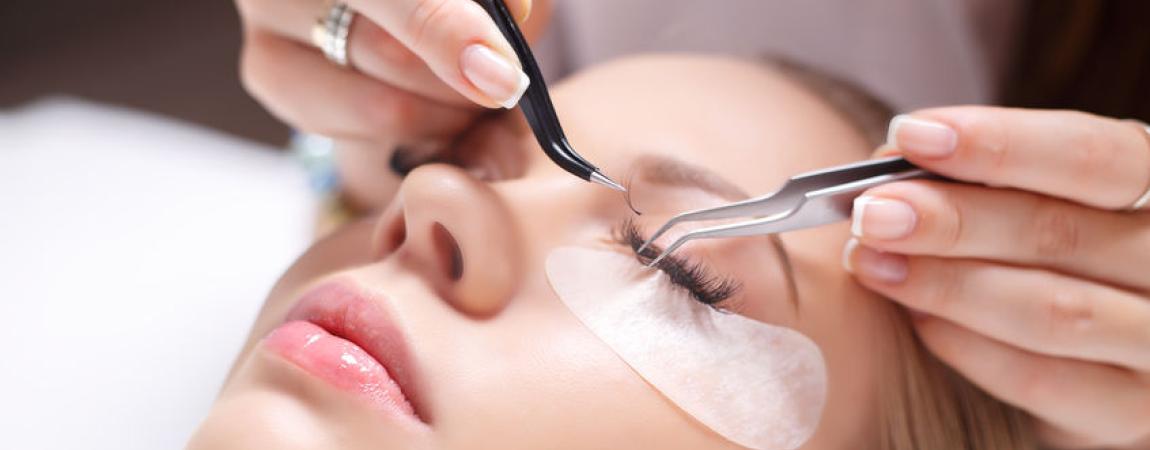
(496, 351)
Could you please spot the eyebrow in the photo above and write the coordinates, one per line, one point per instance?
(666, 170)
(671, 171)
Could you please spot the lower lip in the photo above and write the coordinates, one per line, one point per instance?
(340, 363)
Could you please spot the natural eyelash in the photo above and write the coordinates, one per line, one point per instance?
(693, 277)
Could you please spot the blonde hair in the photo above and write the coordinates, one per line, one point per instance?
(927, 406)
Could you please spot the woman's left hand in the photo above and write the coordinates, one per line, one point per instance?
(1033, 283)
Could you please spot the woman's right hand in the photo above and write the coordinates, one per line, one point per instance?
(421, 71)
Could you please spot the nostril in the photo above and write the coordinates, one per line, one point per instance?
(393, 235)
(448, 250)
(397, 236)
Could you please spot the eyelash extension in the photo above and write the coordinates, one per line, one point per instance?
(627, 194)
(693, 277)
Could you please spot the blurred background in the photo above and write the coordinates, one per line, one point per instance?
(149, 203)
(175, 58)
(180, 58)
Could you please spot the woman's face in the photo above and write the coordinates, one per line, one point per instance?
(449, 281)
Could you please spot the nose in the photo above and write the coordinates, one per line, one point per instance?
(457, 234)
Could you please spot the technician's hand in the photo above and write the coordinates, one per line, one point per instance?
(1036, 288)
(419, 72)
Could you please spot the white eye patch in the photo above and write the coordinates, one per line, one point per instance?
(758, 385)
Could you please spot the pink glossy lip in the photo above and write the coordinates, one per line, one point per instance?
(339, 335)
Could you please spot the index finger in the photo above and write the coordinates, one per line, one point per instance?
(1085, 158)
(458, 41)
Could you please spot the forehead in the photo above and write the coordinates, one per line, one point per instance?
(740, 119)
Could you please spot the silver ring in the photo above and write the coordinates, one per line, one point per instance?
(1144, 200)
(330, 33)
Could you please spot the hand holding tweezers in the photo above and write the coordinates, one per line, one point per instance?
(537, 107)
(805, 201)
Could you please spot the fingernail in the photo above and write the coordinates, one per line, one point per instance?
(493, 74)
(879, 266)
(921, 137)
(848, 254)
(882, 218)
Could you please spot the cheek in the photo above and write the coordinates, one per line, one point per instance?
(258, 419)
(543, 380)
(849, 323)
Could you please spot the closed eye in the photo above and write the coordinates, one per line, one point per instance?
(693, 277)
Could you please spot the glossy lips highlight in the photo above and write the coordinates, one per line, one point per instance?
(339, 362)
(339, 336)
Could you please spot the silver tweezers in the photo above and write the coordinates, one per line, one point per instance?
(805, 201)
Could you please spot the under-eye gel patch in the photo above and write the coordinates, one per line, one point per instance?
(758, 385)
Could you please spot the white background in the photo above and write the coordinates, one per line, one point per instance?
(134, 253)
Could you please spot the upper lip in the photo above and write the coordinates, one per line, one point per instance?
(344, 309)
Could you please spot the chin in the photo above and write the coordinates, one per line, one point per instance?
(272, 404)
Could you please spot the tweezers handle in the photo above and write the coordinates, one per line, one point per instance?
(836, 203)
(808, 200)
(818, 207)
(536, 102)
(793, 191)
(857, 171)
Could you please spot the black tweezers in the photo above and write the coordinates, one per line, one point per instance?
(537, 107)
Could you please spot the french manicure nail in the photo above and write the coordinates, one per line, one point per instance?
(879, 266)
(848, 254)
(493, 74)
(882, 218)
(922, 137)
